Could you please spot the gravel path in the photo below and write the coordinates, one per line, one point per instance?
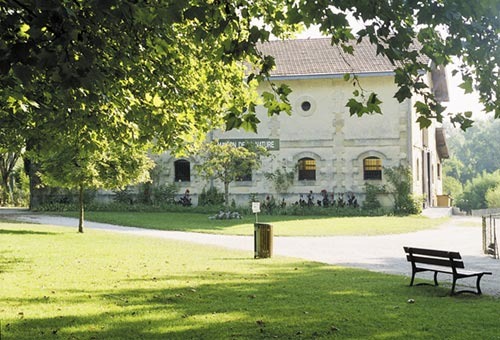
(378, 253)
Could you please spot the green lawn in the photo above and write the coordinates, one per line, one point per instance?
(58, 284)
(282, 225)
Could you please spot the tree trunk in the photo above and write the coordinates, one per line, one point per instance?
(8, 162)
(36, 193)
(226, 194)
(80, 220)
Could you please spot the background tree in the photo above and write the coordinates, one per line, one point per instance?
(470, 173)
(493, 197)
(474, 195)
(79, 164)
(8, 161)
(474, 151)
(11, 148)
(228, 163)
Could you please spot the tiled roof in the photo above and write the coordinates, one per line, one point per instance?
(317, 57)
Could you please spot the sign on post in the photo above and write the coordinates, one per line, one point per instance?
(256, 209)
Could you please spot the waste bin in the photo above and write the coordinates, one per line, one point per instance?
(263, 240)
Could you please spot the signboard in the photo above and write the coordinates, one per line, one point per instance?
(256, 207)
(269, 144)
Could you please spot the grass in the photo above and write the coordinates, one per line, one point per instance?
(58, 284)
(282, 225)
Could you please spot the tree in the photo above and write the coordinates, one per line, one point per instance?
(228, 163)
(474, 195)
(88, 99)
(8, 161)
(177, 72)
(493, 197)
(174, 50)
(78, 163)
(474, 151)
(11, 148)
(452, 186)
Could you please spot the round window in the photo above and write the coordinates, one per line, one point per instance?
(306, 105)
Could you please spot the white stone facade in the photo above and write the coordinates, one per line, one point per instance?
(338, 143)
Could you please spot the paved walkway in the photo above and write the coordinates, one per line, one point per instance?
(378, 253)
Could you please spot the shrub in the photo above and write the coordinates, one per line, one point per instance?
(125, 196)
(371, 201)
(400, 180)
(164, 194)
(210, 197)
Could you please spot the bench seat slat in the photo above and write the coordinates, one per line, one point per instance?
(440, 269)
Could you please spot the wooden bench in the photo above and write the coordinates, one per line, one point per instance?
(440, 261)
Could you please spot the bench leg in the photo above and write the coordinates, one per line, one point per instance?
(478, 281)
(412, 277)
(435, 279)
(453, 286)
(478, 287)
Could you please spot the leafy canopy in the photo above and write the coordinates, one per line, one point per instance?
(98, 77)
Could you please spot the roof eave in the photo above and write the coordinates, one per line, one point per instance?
(330, 75)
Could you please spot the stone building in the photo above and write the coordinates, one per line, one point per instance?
(326, 147)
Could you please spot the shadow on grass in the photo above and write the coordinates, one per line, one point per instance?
(24, 232)
(8, 262)
(293, 301)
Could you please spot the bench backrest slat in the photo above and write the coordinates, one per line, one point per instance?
(433, 252)
(434, 257)
(435, 261)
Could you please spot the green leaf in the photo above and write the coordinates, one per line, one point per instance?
(403, 93)
(467, 86)
(424, 122)
(157, 101)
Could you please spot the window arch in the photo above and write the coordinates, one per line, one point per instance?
(372, 168)
(307, 169)
(182, 170)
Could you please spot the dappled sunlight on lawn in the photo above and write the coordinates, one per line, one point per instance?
(108, 286)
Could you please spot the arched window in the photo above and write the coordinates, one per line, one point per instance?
(182, 169)
(372, 168)
(307, 169)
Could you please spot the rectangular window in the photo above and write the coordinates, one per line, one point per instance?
(307, 169)
(182, 171)
(372, 168)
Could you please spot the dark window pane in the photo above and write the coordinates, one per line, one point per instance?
(307, 169)
(182, 171)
